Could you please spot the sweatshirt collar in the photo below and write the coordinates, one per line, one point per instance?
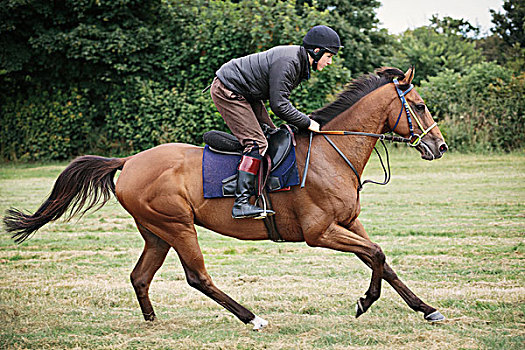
(306, 72)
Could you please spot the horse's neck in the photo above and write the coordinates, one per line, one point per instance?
(367, 115)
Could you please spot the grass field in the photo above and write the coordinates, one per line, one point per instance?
(452, 229)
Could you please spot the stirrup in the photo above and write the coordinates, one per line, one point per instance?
(254, 215)
(266, 212)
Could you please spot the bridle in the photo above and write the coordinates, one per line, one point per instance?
(414, 140)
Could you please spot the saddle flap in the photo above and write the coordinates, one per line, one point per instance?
(279, 145)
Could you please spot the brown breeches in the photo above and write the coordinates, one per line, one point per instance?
(242, 117)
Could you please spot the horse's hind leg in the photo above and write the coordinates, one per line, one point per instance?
(416, 304)
(152, 258)
(185, 243)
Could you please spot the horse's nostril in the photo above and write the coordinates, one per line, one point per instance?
(443, 148)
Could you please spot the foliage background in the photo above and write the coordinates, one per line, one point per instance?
(118, 77)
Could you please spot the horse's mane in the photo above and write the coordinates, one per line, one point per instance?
(355, 90)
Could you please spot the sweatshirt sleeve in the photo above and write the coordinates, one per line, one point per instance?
(282, 75)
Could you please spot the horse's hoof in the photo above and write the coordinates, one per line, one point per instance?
(436, 316)
(258, 323)
(359, 308)
(150, 317)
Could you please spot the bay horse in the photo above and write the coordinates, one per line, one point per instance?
(161, 188)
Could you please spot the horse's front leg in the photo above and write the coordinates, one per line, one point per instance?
(339, 238)
(416, 304)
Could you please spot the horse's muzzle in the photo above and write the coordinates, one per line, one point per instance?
(432, 149)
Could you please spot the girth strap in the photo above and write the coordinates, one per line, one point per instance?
(264, 197)
(269, 222)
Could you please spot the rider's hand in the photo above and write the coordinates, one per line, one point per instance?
(314, 126)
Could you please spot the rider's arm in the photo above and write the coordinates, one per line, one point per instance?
(283, 73)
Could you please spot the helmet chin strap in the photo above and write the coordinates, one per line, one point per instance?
(316, 56)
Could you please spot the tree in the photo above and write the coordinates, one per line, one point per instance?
(510, 25)
(510, 30)
(493, 48)
(64, 42)
(453, 26)
(444, 44)
(365, 45)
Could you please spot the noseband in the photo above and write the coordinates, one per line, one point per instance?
(415, 139)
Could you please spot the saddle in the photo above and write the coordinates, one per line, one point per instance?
(280, 143)
(223, 152)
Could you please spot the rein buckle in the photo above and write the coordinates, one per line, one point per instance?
(415, 140)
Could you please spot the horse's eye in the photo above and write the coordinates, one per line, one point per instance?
(420, 107)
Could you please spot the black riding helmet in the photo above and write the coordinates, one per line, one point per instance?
(323, 38)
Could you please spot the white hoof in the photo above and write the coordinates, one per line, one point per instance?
(258, 323)
(436, 316)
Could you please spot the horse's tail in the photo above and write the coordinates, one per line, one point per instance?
(87, 181)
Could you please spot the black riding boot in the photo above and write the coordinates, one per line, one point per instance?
(247, 176)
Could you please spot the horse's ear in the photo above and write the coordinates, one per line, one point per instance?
(409, 75)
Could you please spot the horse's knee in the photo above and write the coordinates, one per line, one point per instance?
(199, 282)
(377, 255)
(140, 285)
(313, 243)
(314, 240)
(193, 281)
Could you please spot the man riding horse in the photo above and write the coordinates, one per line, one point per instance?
(242, 85)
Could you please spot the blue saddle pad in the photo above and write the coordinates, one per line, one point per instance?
(218, 166)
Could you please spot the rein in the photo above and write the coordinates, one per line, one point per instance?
(413, 141)
(381, 138)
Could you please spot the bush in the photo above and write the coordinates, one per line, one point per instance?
(141, 67)
(482, 109)
(145, 113)
(46, 126)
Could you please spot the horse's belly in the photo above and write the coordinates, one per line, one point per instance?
(216, 215)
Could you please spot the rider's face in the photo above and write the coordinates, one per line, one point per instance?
(325, 61)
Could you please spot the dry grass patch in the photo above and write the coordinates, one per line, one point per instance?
(452, 229)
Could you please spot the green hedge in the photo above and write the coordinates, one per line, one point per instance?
(141, 67)
(46, 125)
(145, 113)
(117, 77)
(482, 109)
